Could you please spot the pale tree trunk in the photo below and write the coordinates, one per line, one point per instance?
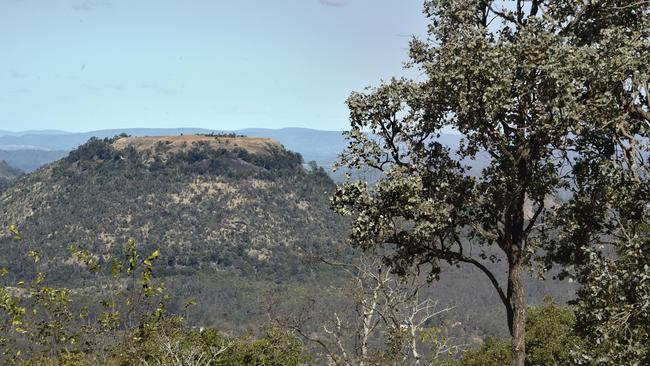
(368, 319)
(414, 345)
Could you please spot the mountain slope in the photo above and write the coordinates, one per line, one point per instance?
(236, 220)
(232, 204)
(8, 174)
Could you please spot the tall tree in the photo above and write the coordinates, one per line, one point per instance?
(538, 89)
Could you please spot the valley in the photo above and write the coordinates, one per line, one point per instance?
(240, 218)
(325, 183)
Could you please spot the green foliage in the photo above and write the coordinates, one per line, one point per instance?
(603, 237)
(208, 208)
(94, 149)
(495, 352)
(547, 92)
(66, 359)
(275, 349)
(174, 344)
(614, 304)
(203, 159)
(42, 318)
(550, 340)
(525, 92)
(130, 327)
(551, 337)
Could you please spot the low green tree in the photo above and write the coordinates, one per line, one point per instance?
(550, 339)
(43, 325)
(174, 344)
(276, 348)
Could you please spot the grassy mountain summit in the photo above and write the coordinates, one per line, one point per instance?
(227, 203)
(253, 145)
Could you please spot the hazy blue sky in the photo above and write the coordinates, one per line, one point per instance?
(81, 65)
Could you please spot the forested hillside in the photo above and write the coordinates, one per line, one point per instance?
(8, 174)
(231, 204)
(486, 205)
(230, 215)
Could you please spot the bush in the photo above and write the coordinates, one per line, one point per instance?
(44, 325)
(550, 340)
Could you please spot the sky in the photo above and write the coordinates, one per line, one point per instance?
(81, 65)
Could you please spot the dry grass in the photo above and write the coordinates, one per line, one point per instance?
(254, 145)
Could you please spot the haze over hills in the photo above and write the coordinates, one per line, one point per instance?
(30, 159)
(32, 132)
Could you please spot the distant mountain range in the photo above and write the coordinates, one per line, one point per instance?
(29, 150)
(33, 132)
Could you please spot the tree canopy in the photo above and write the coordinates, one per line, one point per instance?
(553, 94)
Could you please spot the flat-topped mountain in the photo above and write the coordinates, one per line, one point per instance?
(214, 202)
(47, 146)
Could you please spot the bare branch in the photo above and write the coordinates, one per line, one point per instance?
(533, 219)
(502, 14)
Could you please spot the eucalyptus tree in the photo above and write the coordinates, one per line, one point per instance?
(542, 88)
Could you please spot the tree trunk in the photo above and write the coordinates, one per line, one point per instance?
(516, 259)
(518, 304)
(414, 342)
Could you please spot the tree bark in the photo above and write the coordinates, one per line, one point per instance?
(518, 305)
(516, 258)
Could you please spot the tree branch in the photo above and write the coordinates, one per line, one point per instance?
(533, 219)
(461, 258)
(534, 8)
(502, 14)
